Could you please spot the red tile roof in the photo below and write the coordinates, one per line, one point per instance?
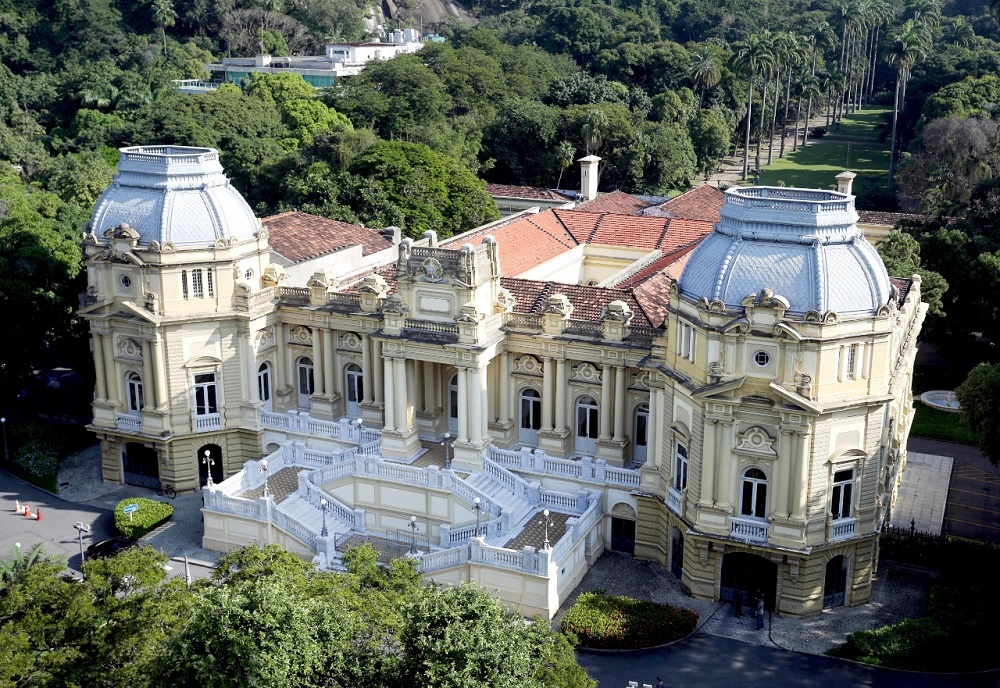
(531, 296)
(614, 202)
(526, 192)
(299, 236)
(884, 219)
(700, 203)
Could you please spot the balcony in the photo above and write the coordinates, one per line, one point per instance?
(209, 421)
(674, 500)
(748, 529)
(128, 423)
(843, 529)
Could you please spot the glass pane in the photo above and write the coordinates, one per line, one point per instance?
(835, 502)
(640, 429)
(761, 507)
(525, 413)
(842, 476)
(581, 422)
(845, 509)
(746, 504)
(453, 407)
(593, 429)
(213, 406)
(536, 414)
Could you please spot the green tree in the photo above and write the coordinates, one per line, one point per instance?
(979, 397)
(164, 15)
(705, 71)
(710, 137)
(901, 254)
(750, 56)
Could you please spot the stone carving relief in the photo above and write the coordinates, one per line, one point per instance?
(396, 305)
(640, 379)
(623, 510)
(301, 335)
(151, 302)
(585, 372)
(618, 311)
(129, 348)
(469, 314)
(374, 284)
(756, 441)
(527, 365)
(264, 339)
(349, 341)
(273, 275)
(559, 304)
(505, 301)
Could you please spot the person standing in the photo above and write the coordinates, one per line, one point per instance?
(760, 612)
(659, 682)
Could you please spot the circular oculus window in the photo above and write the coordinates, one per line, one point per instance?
(248, 274)
(125, 281)
(762, 358)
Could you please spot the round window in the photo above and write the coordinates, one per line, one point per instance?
(762, 358)
(125, 281)
(248, 274)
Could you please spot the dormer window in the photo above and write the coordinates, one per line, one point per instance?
(197, 284)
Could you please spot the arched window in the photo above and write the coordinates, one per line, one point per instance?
(640, 433)
(530, 420)
(133, 384)
(587, 428)
(304, 368)
(753, 494)
(264, 384)
(453, 403)
(354, 389)
(680, 466)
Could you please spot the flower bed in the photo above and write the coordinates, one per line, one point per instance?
(150, 514)
(621, 623)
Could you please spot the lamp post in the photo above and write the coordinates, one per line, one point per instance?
(6, 453)
(81, 528)
(209, 462)
(479, 509)
(361, 426)
(323, 505)
(263, 469)
(447, 454)
(413, 527)
(545, 545)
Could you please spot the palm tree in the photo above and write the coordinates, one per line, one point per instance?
(960, 32)
(163, 16)
(768, 65)
(747, 58)
(908, 44)
(565, 152)
(812, 89)
(100, 95)
(796, 53)
(594, 129)
(18, 562)
(810, 85)
(705, 71)
(785, 44)
(926, 12)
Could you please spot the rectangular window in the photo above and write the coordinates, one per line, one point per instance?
(206, 400)
(680, 467)
(843, 494)
(852, 361)
(197, 288)
(208, 280)
(685, 341)
(184, 283)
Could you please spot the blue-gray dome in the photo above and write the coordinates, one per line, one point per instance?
(802, 244)
(174, 195)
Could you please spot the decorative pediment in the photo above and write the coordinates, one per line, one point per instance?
(738, 326)
(559, 304)
(129, 348)
(349, 341)
(122, 231)
(395, 305)
(469, 314)
(765, 298)
(273, 275)
(756, 441)
(640, 379)
(827, 318)
(505, 300)
(301, 335)
(374, 284)
(618, 311)
(264, 339)
(783, 329)
(585, 372)
(527, 365)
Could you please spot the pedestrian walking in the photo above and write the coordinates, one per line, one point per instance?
(659, 682)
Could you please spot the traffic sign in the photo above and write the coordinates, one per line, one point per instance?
(131, 508)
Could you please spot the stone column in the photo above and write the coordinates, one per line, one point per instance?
(100, 372)
(786, 457)
(317, 356)
(378, 367)
(561, 389)
(147, 376)
(484, 393)
(508, 386)
(724, 467)
(476, 409)
(111, 370)
(620, 411)
(367, 378)
(653, 429)
(547, 394)
(428, 386)
(800, 484)
(401, 395)
(159, 374)
(330, 366)
(605, 403)
(463, 405)
(248, 364)
(286, 372)
(708, 464)
(390, 406)
(503, 407)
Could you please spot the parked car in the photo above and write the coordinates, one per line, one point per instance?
(110, 547)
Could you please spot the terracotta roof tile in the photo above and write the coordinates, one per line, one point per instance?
(654, 295)
(700, 203)
(588, 302)
(299, 236)
(526, 192)
(614, 202)
(884, 219)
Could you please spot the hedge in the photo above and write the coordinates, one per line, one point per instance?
(151, 514)
(621, 623)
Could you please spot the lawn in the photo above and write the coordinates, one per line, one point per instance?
(816, 165)
(940, 425)
(863, 126)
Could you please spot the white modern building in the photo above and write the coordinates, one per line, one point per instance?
(732, 402)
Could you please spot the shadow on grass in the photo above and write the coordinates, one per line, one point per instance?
(816, 165)
(863, 126)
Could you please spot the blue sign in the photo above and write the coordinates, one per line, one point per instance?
(131, 508)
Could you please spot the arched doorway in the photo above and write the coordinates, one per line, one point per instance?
(140, 466)
(218, 472)
(587, 427)
(304, 369)
(835, 584)
(354, 390)
(623, 528)
(453, 404)
(531, 417)
(676, 552)
(264, 385)
(640, 434)
(750, 573)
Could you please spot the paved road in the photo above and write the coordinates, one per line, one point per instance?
(973, 509)
(713, 662)
(55, 529)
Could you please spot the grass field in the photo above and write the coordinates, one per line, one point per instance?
(940, 425)
(863, 126)
(816, 165)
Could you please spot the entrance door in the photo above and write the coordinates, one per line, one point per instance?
(749, 573)
(587, 428)
(354, 390)
(304, 368)
(622, 535)
(213, 460)
(835, 586)
(640, 434)
(453, 404)
(676, 553)
(531, 417)
(140, 466)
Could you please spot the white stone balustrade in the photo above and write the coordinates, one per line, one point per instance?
(843, 529)
(128, 423)
(529, 460)
(748, 529)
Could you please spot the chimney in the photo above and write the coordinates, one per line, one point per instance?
(262, 61)
(392, 233)
(588, 177)
(844, 182)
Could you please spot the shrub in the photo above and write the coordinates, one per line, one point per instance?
(621, 623)
(37, 457)
(151, 514)
(913, 644)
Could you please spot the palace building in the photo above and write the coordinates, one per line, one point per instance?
(721, 385)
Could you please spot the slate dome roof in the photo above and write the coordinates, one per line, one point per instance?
(174, 194)
(802, 244)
